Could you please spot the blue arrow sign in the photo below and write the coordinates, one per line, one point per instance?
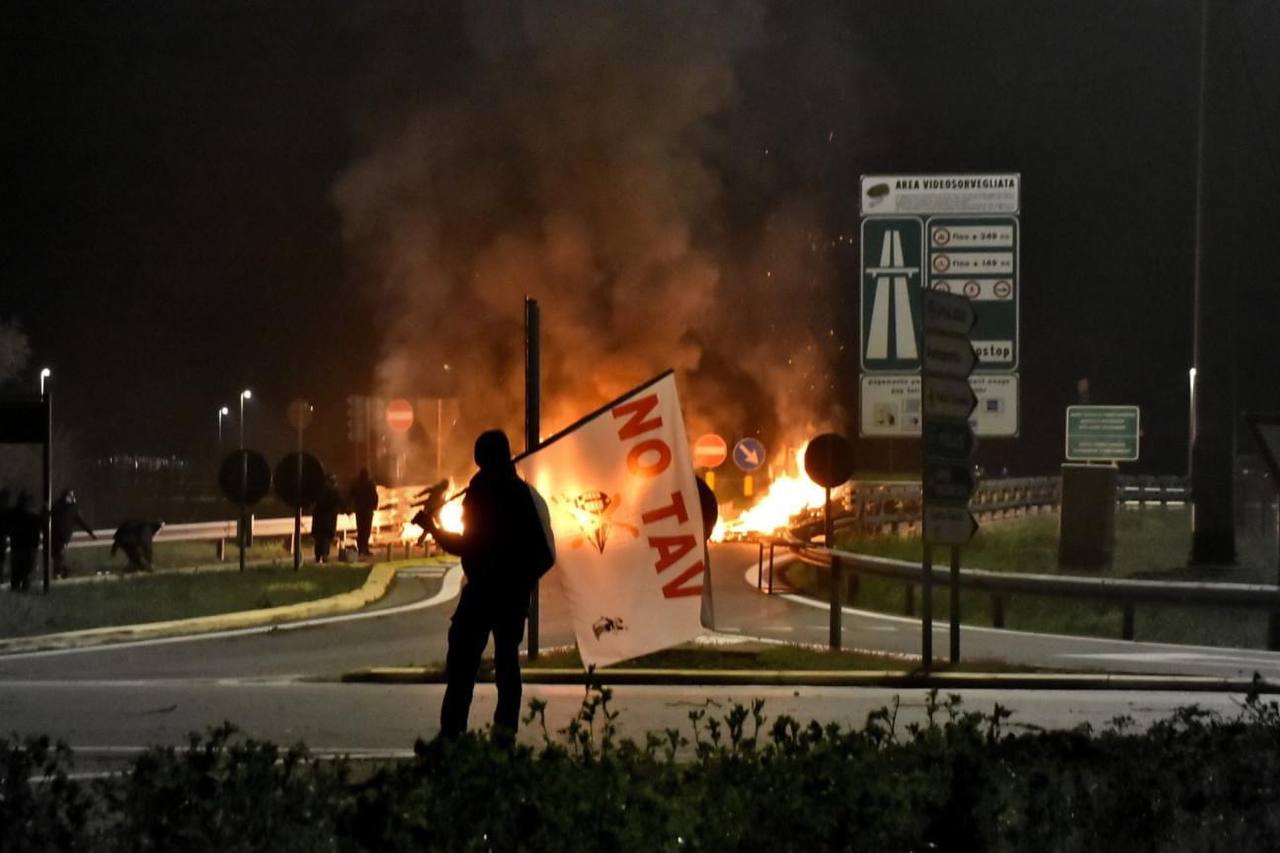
(748, 454)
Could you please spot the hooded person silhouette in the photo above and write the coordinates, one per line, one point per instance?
(506, 546)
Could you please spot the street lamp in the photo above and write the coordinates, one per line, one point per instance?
(246, 394)
(45, 373)
(223, 411)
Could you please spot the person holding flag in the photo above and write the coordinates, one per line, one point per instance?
(506, 546)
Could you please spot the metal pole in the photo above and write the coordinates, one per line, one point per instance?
(836, 574)
(439, 436)
(532, 432)
(926, 607)
(47, 459)
(955, 605)
(297, 511)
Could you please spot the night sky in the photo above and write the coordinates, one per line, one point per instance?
(172, 233)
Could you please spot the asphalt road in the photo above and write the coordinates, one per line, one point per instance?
(280, 683)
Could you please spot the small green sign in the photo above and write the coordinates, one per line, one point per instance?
(1102, 433)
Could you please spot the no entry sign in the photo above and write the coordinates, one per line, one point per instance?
(709, 451)
(399, 415)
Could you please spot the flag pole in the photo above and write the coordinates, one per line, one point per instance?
(532, 428)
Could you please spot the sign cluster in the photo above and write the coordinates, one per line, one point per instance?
(955, 234)
(947, 401)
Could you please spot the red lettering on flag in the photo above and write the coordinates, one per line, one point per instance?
(671, 549)
(675, 588)
(637, 464)
(675, 508)
(636, 410)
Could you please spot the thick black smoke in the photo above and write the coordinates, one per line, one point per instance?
(579, 153)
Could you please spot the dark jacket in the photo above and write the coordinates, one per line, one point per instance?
(324, 516)
(364, 496)
(25, 528)
(65, 517)
(506, 543)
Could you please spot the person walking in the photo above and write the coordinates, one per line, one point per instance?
(364, 500)
(324, 518)
(65, 517)
(5, 511)
(506, 546)
(24, 543)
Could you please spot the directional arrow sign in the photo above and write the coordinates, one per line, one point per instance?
(948, 312)
(948, 525)
(748, 454)
(947, 398)
(952, 483)
(948, 441)
(947, 355)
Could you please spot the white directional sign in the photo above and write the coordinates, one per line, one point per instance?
(948, 398)
(948, 525)
(948, 355)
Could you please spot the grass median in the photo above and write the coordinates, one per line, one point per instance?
(1150, 544)
(142, 598)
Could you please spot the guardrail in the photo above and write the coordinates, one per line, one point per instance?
(1127, 592)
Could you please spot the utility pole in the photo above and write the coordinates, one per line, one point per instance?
(532, 431)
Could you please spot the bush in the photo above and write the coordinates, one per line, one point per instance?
(961, 780)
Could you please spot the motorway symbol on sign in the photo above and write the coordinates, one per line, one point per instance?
(947, 355)
(948, 525)
(948, 440)
(947, 483)
(948, 312)
(892, 251)
(947, 398)
(709, 451)
(748, 454)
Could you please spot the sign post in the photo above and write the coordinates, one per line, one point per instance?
(748, 455)
(299, 412)
(828, 460)
(946, 448)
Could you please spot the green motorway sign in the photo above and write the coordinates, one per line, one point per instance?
(1102, 433)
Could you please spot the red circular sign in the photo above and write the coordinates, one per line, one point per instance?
(399, 415)
(709, 451)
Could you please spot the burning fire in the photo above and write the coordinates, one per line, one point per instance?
(786, 497)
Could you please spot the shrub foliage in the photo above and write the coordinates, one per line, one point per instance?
(961, 780)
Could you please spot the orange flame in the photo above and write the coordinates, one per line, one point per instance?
(786, 497)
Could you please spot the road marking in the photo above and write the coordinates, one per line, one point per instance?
(1169, 657)
(449, 590)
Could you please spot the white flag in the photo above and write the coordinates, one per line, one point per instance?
(628, 524)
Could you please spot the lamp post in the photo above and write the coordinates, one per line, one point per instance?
(246, 394)
(45, 373)
(223, 411)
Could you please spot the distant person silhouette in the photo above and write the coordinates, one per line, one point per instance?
(135, 538)
(324, 518)
(5, 509)
(505, 546)
(364, 499)
(25, 527)
(65, 517)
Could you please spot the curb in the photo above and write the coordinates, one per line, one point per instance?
(374, 588)
(903, 679)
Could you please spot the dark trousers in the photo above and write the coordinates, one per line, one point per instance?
(364, 529)
(479, 614)
(22, 562)
(323, 542)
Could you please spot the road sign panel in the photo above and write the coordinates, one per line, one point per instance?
(399, 415)
(970, 193)
(947, 482)
(748, 454)
(947, 440)
(709, 451)
(1102, 433)
(947, 398)
(947, 355)
(892, 256)
(948, 525)
(979, 257)
(890, 406)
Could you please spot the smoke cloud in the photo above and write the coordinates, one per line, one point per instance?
(575, 153)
